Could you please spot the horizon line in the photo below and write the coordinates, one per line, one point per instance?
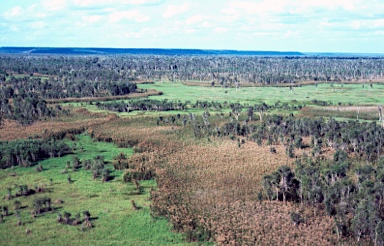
(194, 49)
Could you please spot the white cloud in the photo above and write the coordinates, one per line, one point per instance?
(19, 13)
(14, 12)
(173, 10)
(239, 8)
(88, 3)
(134, 15)
(303, 7)
(54, 5)
(349, 5)
(93, 3)
(379, 23)
(367, 24)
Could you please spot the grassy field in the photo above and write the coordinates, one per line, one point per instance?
(112, 215)
(346, 94)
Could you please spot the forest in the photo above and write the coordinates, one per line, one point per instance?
(191, 149)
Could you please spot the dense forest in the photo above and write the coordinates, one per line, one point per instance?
(222, 70)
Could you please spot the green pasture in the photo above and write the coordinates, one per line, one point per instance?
(340, 93)
(109, 203)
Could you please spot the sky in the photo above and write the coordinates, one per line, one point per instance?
(355, 26)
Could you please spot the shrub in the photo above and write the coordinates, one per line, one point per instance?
(41, 205)
(39, 168)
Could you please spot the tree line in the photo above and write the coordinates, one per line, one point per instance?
(52, 88)
(222, 70)
(27, 152)
(169, 105)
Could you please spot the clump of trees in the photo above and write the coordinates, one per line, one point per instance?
(66, 218)
(97, 166)
(363, 139)
(41, 205)
(351, 193)
(26, 108)
(27, 152)
(120, 162)
(23, 190)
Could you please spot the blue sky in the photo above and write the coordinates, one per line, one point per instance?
(283, 25)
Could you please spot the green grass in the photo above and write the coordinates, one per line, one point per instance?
(115, 223)
(345, 94)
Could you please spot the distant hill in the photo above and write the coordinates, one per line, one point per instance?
(145, 51)
(346, 55)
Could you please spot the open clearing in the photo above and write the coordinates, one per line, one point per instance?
(345, 94)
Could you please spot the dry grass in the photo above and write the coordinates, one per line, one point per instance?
(371, 109)
(215, 187)
(345, 112)
(77, 122)
(209, 189)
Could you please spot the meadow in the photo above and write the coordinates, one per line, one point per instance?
(114, 220)
(345, 94)
(343, 101)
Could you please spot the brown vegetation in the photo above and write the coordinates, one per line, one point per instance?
(80, 120)
(349, 112)
(211, 190)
